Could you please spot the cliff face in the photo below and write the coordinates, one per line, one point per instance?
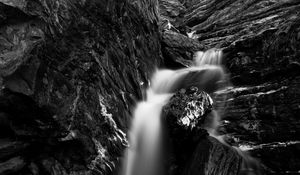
(74, 70)
(261, 41)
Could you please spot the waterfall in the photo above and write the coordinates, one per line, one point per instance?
(144, 155)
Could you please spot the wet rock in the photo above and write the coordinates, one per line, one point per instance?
(264, 113)
(192, 150)
(278, 156)
(213, 157)
(72, 70)
(187, 108)
(259, 38)
(260, 42)
(178, 49)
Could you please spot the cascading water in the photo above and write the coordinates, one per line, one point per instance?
(145, 155)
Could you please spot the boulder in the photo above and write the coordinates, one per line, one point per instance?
(193, 151)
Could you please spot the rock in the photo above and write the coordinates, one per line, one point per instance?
(192, 150)
(16, 43)
(12, 165)
(263, 115)
(257, 113)
(171, 9)
(278, 156)
(178, 49)
(212, 157)
(259, 38)
(25, 118)
(187, 109)
(170, 12)
(10, 148)
(33, 168)
(260, 43)
(73, 70)
(53, 167)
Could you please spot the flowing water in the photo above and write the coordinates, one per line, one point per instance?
(144, 155)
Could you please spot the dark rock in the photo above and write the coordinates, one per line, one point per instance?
(213, 157)
(178, 49)
(171, 9)
(10, 148)
(263, 115)
(192, 150)
(187, 109)
(74, 69)
(12, 165)
(279, 157)
(258, 37)
(26, 119)
(16, 43)
(33, 168)
(257, 113)
(261, 48)
(53, 167)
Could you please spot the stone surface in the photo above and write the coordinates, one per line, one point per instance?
(192, 150)
(9, 148)
(12, 165)
(260, 40)
(70, 72)
(274, 155)
(212, 157)
(187, 109)
(178, 49)
(264, 113)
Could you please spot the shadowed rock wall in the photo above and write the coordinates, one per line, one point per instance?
(82, 65)
(261, 42)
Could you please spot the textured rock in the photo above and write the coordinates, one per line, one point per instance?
(274, 155)
(74, 69)
(12, 165)
(9, 148)
(260, 38)
(192, 150)
(187, 109)
(178, 49)
(264, 113)
(261, 43)
(212, 157)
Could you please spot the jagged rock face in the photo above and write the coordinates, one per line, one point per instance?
(191, 150)
(82, 65)
(261, 43)
(261, 39)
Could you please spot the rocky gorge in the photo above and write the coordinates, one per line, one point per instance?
(71, 73)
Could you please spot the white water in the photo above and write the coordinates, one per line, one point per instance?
(144, 156)
(210, 57)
